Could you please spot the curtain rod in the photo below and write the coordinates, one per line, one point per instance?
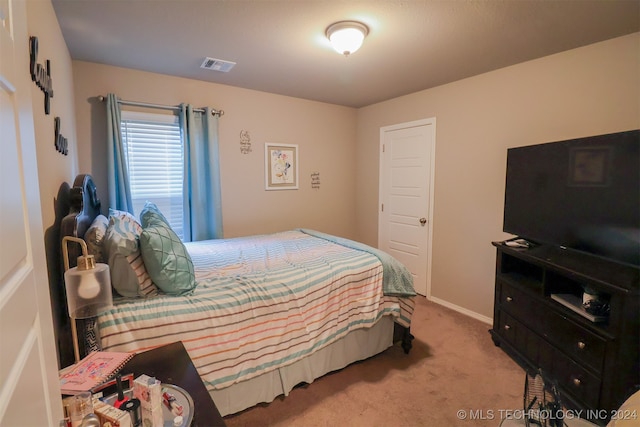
(214, 112)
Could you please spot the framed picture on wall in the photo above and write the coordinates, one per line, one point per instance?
(281, 166)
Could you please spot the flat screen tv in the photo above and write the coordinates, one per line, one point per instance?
(582, 194)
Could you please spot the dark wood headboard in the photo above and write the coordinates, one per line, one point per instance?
(83, 208)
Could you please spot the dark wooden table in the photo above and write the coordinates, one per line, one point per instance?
(171, 364)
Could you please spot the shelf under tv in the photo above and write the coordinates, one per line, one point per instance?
(575, 304)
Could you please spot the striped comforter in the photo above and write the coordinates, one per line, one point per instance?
(261, 303)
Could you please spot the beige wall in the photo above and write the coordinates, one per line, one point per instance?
(324, 133)
(586, 91)
(53, 167)
(581, 92)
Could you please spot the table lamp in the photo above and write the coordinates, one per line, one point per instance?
(88, 288)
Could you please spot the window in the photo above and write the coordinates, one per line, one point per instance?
(154, 153)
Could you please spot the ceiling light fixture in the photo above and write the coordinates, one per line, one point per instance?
(347, 36)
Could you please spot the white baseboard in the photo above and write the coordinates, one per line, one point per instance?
(465, 311)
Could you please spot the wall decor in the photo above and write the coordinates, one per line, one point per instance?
(281, 166)
(245, 142)
(40, 74)
(61, 143)
(315, 180)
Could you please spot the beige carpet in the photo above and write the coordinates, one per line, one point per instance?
(453, 366)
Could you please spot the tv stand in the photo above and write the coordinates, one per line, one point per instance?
(540, 323)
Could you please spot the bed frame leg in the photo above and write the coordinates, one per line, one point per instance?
(407, 339)
(403, 335)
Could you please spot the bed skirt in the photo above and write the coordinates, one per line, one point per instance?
(359, 344)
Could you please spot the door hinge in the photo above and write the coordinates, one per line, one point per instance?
(383, 148)
(382, 207)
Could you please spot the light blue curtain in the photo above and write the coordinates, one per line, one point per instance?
(118, 175)
(202, 195)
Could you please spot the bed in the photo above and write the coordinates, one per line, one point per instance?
(266, 312)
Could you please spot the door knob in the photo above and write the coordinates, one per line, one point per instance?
(423, 220)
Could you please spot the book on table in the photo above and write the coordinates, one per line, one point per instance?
(93, 370)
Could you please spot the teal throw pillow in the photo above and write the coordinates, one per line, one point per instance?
(166, 258)
(150, 214)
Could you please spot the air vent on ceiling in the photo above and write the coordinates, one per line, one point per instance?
(217, 65)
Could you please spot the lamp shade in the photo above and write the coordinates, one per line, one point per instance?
(88, 291)
(347, 36)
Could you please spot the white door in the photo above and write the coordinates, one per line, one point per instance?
(29, 389)
(406, 196)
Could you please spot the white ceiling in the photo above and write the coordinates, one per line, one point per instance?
(279, 46)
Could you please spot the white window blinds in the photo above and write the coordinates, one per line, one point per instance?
(154, 154)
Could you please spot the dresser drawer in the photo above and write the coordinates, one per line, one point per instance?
(582, 345)
(580, 384)
(522, 306)
(521, 338)
(509, 329)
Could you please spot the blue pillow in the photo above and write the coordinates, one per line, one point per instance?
(150, 214)
(165, 256)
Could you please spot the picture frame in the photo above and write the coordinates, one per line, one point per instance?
(281, 166)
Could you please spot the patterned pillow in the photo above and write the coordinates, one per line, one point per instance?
(131, 221)
(95, 236)
(167, 260)
(129, 276)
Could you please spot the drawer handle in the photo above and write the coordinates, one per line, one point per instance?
(509, 299)
(581, 345)
(507, 327)
(577, 382)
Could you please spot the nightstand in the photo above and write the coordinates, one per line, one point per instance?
(171, 364)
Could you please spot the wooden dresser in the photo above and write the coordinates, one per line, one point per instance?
(594, 362)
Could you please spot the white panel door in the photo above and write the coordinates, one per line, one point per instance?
(406, 176)
(29, 389)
